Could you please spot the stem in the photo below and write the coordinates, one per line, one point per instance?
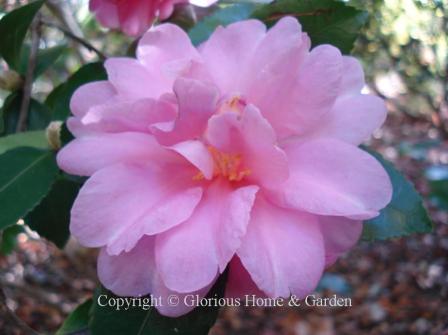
(317, 12)
(28, 85)
(75, 38)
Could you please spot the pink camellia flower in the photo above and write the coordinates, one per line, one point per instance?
(240, 154)
(134, 17)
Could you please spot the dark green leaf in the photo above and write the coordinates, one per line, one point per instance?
(404, 215)
(26, 176)
(108, 321)
(325, 21)
(45, 58)
(51, 217)
(66, 135)
(77, 321)
(221, 17)
(38, 115)
(13, 28)
(9, 239)
(35, 139)
(59, 100)
(2, 121)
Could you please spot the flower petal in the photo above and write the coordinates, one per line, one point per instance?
(130, 273)
(251, 136)
(197, 102)
(136, 16)
(85, 155)
(106, 13)
(229, 51)
(298, 88)
(189, 255)
(124, 116)
(121, 203)
(282, 250)
(197, 154)
(167, 308)
(352, 76)
(239, 282)
(330, 177)
(134, 274)
(133, 80)
(317, 86)
(340, 234)
(90, 95)
(352, 119)
(164, 44)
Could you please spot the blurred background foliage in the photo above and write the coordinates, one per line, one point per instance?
(404, 48)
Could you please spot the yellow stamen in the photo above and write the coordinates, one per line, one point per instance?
(226, 165)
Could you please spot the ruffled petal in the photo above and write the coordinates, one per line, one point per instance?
(121, 203)
(90, 95)
(197, 154)
(130, 273)
(190, 255)
(330, 177)
(352, 119)
(133, 80)
(297, 88)
(124, 116)
(229, 51)
(197, 102)
(340, 234)
(85, 155)
(239, 282)
(274, 71)
(251, 136)
(164, 44)
(185, 304)
(106, 13)
(352, 76)
(134, 274)
(283, 250)
(136, 16)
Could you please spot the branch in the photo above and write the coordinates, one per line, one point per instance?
(317, 12)
(62, 10)
(76, 38)
(28, 85)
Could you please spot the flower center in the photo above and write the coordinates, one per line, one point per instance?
(226, 165)
(235, 103)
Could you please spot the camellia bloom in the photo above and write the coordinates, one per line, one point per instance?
(241, 154)
(134, 17)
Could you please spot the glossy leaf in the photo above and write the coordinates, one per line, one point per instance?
(45, 58)
(13, 28)
(9, 239)
(108, 321)
(35, 139)
(404, 215)
(38, 115)
(221, 17)
(59, 100)
(51, 218)
(66, 136)
(26, 176)
(77, 321)
(325, 21)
